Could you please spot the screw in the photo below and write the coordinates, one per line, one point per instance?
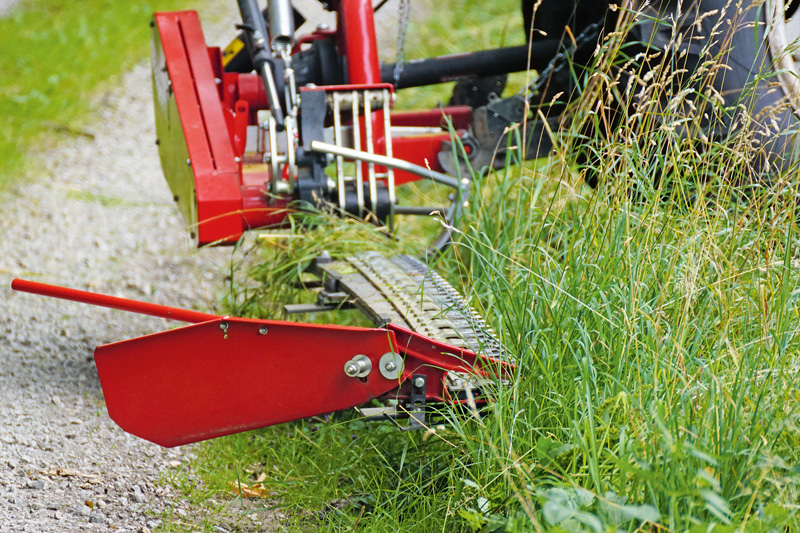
(263, 330)
(390, 366)
(419, 382)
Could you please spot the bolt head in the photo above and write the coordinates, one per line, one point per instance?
(351, 369)
(223, 326)
(419, 382)
(263, 330)
(390, 366)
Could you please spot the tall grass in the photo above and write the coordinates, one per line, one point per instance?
(654, 325)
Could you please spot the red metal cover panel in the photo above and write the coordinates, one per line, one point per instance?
(204, 381)
(208, 94)
(194, 144)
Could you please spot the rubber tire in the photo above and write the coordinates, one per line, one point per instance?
(748, 81)
(749, 77)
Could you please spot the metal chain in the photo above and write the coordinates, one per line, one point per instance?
(403, 18)
(561, 60)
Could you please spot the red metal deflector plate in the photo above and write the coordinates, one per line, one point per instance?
(202, 381)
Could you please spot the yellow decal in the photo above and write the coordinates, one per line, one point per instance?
(231, 50)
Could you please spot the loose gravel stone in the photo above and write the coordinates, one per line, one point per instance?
(138, 495)
(37, 484)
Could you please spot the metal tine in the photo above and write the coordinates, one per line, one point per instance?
(357, 146)
(273, 153)
(387, 134)
(337, 134)
(373, 184)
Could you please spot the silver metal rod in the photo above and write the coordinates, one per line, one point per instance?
(274, 161)
(387, 133)
(420, 210)
(337, 135)
(357, 146)
(373, 184)
(290, 149)
(391, 162)
(272, 95)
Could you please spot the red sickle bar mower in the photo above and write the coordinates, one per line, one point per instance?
(279, 120)
(197, 382)
(275, 121)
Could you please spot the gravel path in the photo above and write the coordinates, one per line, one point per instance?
(101, 218)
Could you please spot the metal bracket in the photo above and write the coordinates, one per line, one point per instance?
(415, 412)
(512, 109)
(326, 301)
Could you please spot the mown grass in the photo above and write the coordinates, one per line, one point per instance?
(55, 55)
(654, 325)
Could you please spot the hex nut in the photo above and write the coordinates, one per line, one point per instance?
(391, 365)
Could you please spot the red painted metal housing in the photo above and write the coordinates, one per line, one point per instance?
(226, 375)
(202, 116)
(198, 151)
(231, 375)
